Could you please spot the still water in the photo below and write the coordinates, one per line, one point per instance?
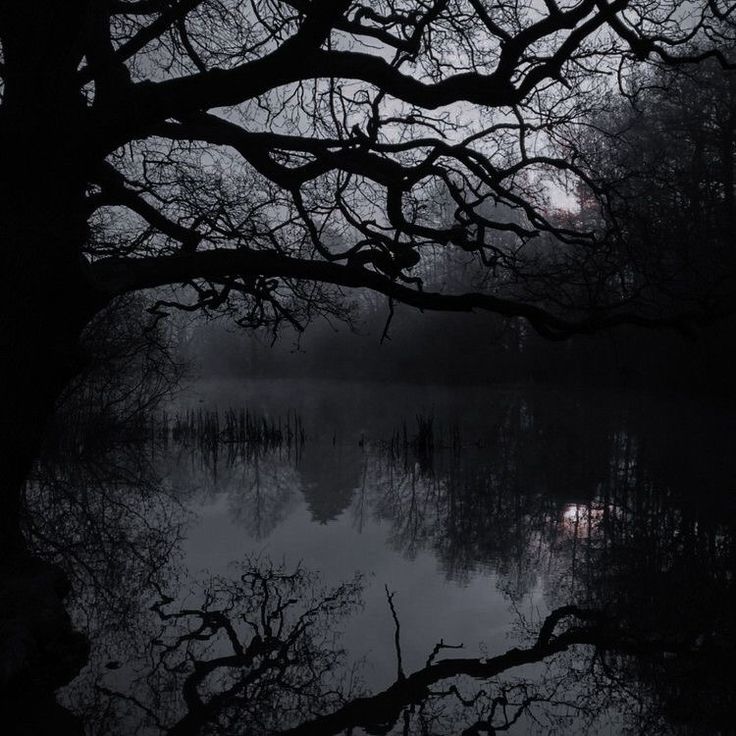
(260, 572)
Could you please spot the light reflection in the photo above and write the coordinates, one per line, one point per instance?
(578, 513)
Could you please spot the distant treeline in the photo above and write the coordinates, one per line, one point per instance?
(474, 349)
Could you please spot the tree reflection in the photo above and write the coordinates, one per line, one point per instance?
(111, 524)
(652, 548)
(260, 486)
(260, 654)
(93, 529)
(112, 528)
(634, 552)
(330, 475)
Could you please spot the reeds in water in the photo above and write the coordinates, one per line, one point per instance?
(429, 437)
(212, 429)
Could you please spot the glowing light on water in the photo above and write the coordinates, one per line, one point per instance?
(580, 513)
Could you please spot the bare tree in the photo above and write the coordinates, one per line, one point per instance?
(265, 154)
(665, 153)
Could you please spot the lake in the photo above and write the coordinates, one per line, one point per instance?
(273, 554)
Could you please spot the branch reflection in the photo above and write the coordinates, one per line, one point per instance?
(634, 554)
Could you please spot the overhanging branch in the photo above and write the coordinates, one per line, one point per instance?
(121, 275)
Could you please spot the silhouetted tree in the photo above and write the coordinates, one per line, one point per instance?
(664, 153)
(267, 154)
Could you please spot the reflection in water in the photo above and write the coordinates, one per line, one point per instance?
(330, 477)
(255, 654)
(620, 517)
(108, 520)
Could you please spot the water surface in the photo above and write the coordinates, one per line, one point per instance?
(468, 514)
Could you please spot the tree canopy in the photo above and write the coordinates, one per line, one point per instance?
(266, 154)
(267, 158)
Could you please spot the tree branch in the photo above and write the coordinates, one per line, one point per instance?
(121, 275)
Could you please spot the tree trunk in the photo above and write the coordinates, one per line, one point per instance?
(45, 303)
(46, 297)
(39, 356)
